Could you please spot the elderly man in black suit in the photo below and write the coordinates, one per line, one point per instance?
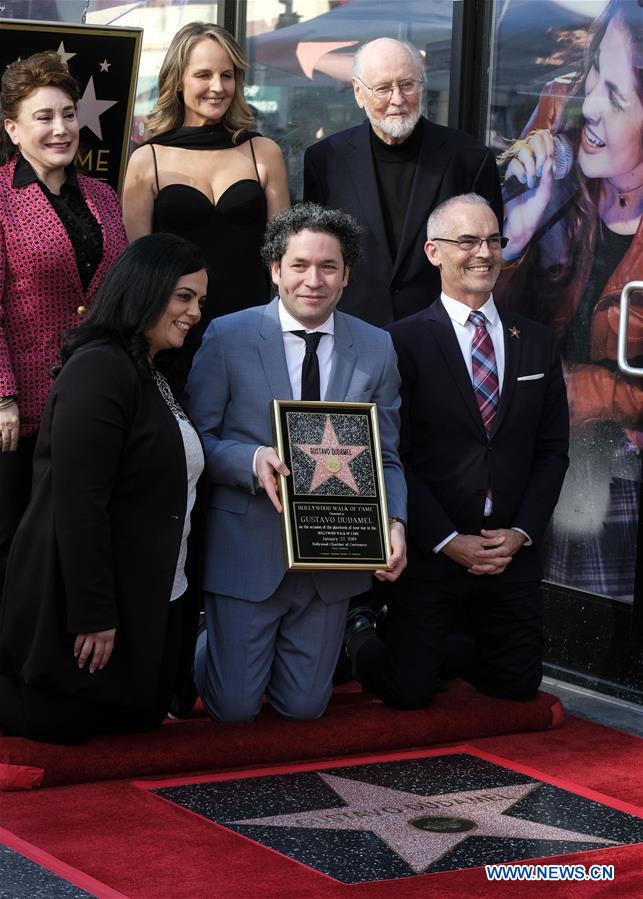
(484, 436)
(389, 173)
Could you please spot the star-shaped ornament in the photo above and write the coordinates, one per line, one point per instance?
(90, 109)
(421, 829)
(514, 332)
(104, 65)
(64, 56)
(331, 458)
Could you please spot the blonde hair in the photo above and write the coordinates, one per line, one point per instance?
(169, 111)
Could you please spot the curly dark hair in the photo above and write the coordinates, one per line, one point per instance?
(311, 217)
(22, 78)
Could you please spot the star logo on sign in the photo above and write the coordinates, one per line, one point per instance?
(104, 65)
(64, 56)
(90, 109)
(421, 829)
(331, 458)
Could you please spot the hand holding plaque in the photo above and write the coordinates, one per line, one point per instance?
(334, 500)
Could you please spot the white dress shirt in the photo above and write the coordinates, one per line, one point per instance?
(295, 350)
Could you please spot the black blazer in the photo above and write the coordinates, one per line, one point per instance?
(339, 173)
(98, 545)
(447, 457)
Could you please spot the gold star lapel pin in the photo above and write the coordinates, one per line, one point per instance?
(514, 332)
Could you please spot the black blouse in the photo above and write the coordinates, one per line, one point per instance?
(69, 205)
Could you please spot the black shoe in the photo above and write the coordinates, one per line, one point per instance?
(361, 621)
(183, 701)
(358, 621)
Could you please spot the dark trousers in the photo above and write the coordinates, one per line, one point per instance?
(15, 492)
(500, 653)
(57, 718)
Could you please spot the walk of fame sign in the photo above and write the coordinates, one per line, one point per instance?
(334, 500)
(426, 813)
(104, 61)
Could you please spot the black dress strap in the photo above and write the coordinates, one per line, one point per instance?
(156, 170)
(254, 159)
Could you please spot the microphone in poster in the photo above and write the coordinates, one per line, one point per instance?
(562, 162)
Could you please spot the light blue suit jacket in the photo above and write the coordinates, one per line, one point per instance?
(238, 371)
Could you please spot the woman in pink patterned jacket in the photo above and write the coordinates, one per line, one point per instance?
(59, 234)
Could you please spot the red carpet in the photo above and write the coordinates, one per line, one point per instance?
(145, 848)
(354, 723)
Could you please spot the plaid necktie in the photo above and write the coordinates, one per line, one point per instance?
(485, 373)
(310, 365)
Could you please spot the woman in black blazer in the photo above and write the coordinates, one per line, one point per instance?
(96, 614)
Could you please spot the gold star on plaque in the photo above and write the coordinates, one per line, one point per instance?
(513, 330)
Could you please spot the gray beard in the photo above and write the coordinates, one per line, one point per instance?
(400, 127)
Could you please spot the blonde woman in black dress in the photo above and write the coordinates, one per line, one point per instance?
(204, 175)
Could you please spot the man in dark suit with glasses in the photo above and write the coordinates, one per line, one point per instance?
(389, 173)
(484, 437)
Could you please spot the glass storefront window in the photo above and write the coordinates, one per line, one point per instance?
(566, 115)
(301, 54)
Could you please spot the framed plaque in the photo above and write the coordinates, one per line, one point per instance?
(334, 500)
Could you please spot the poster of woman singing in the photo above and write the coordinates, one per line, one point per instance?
(573, 186)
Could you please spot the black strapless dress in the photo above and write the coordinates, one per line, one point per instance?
(229, 234)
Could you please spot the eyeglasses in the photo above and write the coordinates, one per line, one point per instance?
(407, 88)
(466, 243)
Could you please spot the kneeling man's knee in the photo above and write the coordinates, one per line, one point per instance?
(520, 687)
(231, 708)
(300, 707)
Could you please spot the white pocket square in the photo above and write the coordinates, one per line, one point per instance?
(531, 377)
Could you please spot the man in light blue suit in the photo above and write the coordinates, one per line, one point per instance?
(270, 632)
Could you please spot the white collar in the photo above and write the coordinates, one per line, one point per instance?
(289, 323)
(459, 311)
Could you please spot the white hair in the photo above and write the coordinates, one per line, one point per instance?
(414, 53)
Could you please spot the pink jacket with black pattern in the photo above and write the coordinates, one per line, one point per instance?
(40, 287)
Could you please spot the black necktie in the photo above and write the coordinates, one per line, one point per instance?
(310, 367)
